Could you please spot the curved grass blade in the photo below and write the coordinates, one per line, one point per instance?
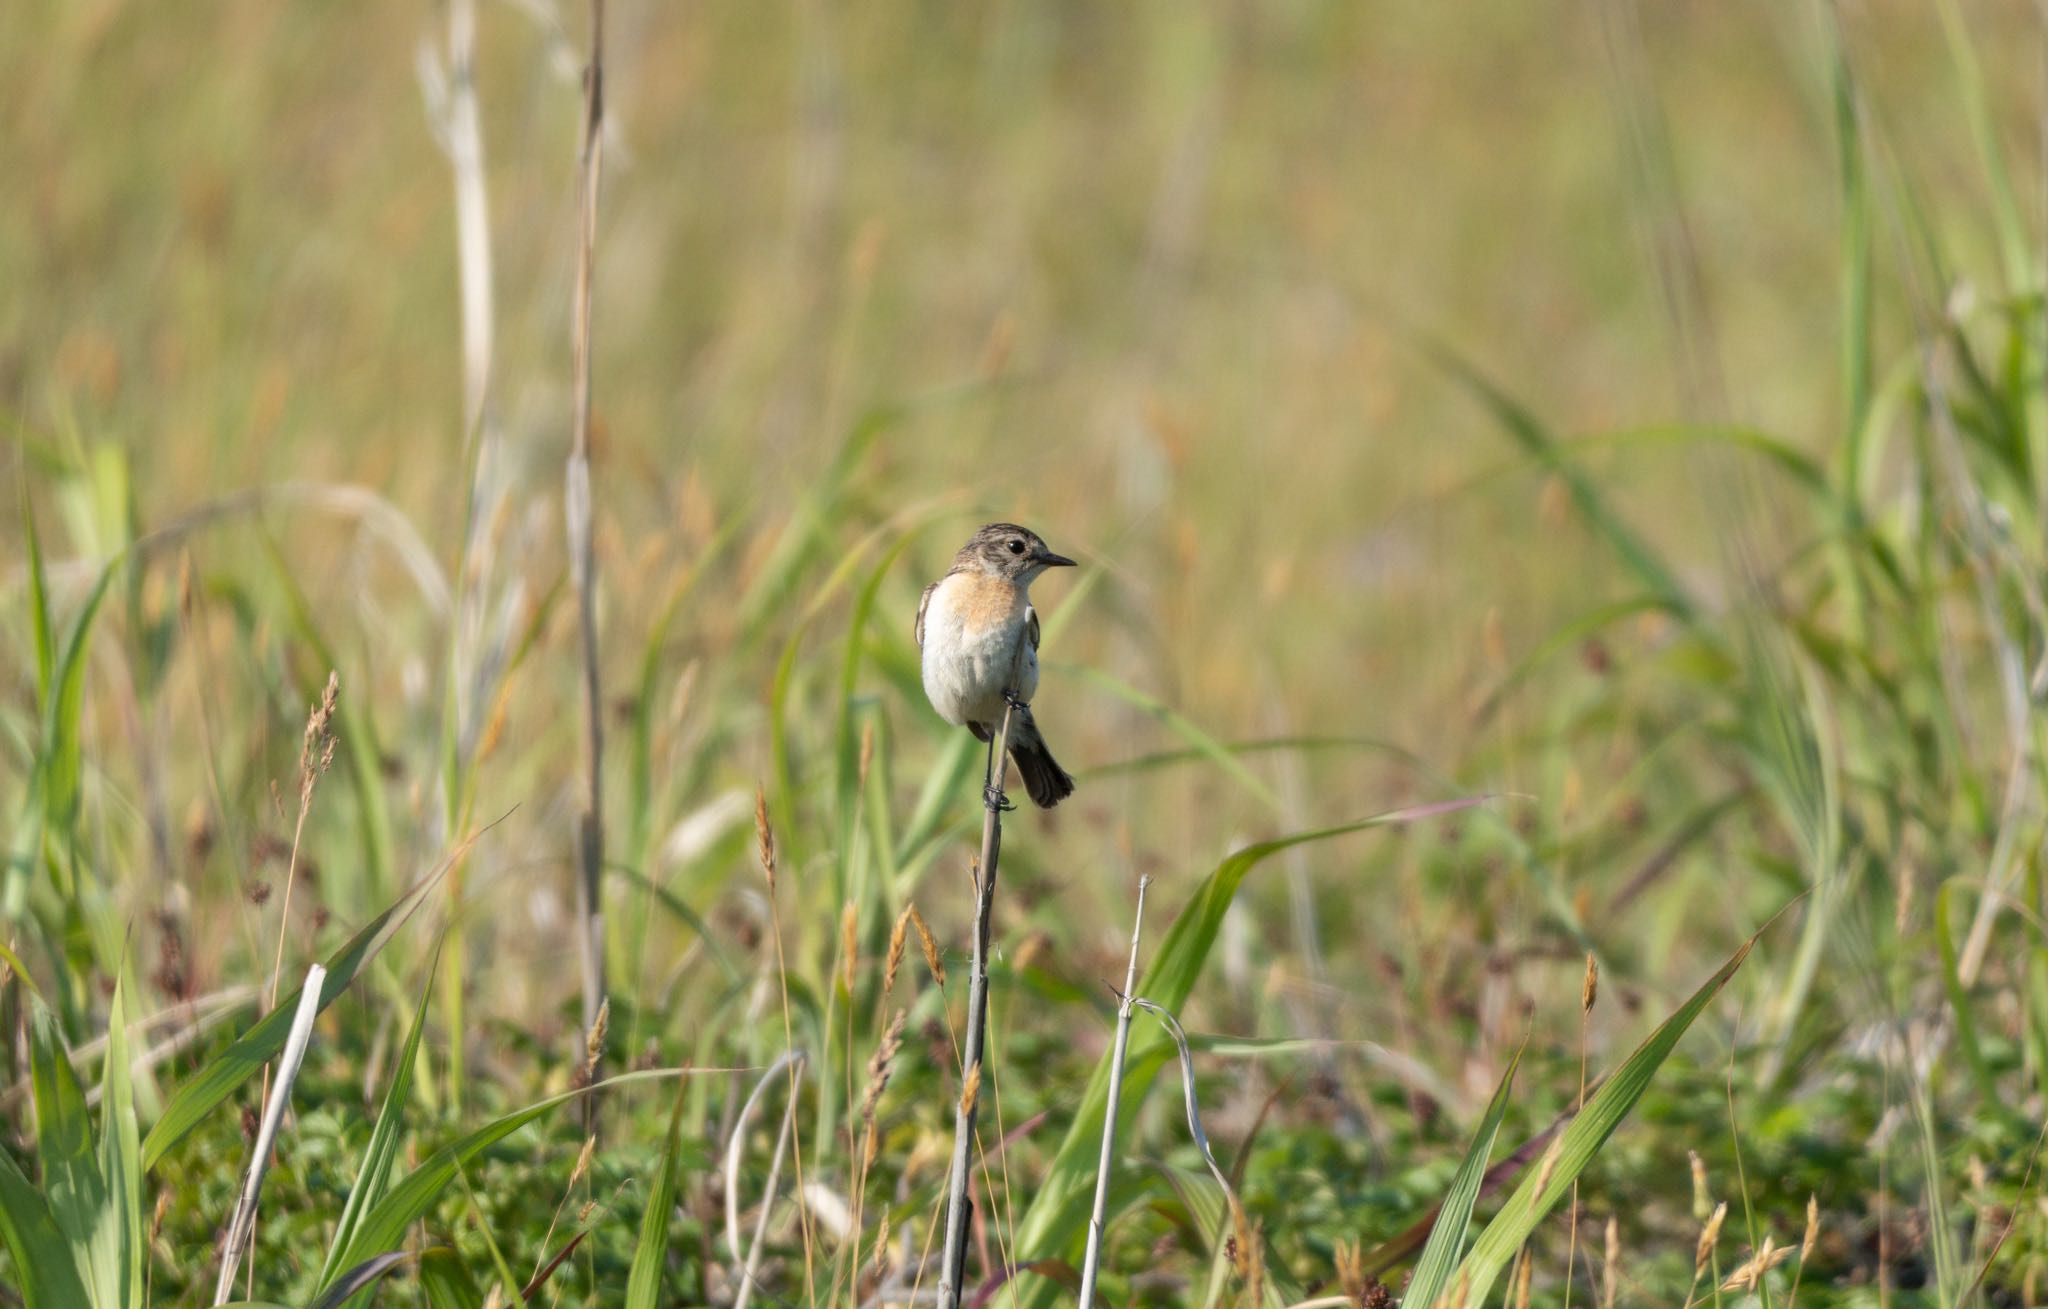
(1447, 1238)
(363, 1276)
(1541, 1191)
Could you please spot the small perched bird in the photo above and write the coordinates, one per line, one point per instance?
(973, 625)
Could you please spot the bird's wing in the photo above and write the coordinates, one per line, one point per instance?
(1031, 625)
(923, 602)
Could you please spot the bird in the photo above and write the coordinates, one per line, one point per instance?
(975, 630)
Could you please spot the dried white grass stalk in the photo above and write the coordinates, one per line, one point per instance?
(242, 1226)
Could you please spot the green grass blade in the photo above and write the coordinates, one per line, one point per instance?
(643, 1282)
(38, 599)
(47, 1278)
(71, 1175)
(1447, 1238)
(1582, 1140)
(256, 1047)
(122, 1238)
(1060, 1208)
(382, 1152)
(63, 745)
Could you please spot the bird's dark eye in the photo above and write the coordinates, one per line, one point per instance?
(1016, 547)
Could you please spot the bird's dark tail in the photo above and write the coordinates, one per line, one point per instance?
(1044, 779)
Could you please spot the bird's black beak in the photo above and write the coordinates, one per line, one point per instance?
(1051, 560)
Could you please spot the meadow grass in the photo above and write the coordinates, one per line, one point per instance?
(1477, 603)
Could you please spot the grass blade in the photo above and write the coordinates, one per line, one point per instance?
(643, 1282)
(382, 1151)
(42, 1258)
(1447, 1238)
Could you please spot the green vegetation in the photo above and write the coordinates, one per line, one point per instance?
(1608, 445)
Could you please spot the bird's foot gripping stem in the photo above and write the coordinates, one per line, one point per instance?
(992, 797)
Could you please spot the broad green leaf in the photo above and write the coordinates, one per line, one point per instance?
(1447, 1239)
(382, 1151)
(261, 1043)
(1541, 1190)
(643, 1282)
(1059, 1210)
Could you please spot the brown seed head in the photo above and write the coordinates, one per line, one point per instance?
(1702, 1204)
(930, 947)
(1806, 1243)
(593, 1044)
(1709, 1235)
(970, 1093)
(897, 937)
(1589, 990)
(764, 836)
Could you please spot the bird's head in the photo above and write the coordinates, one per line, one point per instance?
(1010, 551)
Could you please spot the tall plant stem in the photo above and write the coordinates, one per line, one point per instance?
(959, 1209)
(582, 565)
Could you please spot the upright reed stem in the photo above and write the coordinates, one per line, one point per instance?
(1097, 1217)
(959, 1209)
(582, 564)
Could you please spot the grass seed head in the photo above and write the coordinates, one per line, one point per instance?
(898, 936)
(1709, 1236)
(764, 836)
(316, 755)
(930, 947)
(1702, 1204)
(1806, 1242)
(971, 1091)
(1589, 990)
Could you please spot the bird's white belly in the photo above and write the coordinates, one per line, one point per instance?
(964, 670)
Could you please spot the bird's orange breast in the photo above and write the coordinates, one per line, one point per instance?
(981, 599)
